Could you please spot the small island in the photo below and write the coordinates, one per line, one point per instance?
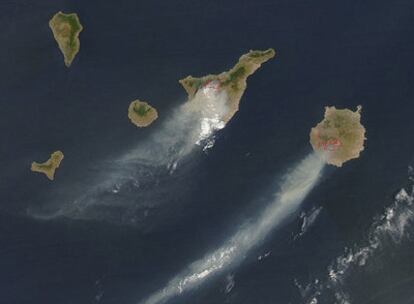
(340, 136)
(49, 167)
(66, 29)
(141, 113)
(232, 81)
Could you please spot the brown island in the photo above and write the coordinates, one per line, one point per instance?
(232, 81)
(66, 29)
(141, 113)
(340, 136)
(49, 167)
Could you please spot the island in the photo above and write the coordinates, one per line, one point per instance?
(66, 29)
(233, 81)
(340, 136)
(141, 113)
(49, 167)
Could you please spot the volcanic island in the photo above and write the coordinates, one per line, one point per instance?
(141, 113)
(49, 167)
(66, 29)
(340, 136)
(232, 81)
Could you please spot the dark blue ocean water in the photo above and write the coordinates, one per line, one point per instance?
(342, 53)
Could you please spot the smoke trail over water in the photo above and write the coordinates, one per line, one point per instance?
(193, 123)
(293, 190)
(124, 189)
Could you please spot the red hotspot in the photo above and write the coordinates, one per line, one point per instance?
(211, 85)
(332, 144)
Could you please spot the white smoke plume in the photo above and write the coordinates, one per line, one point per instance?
(193, 123)
(296, 185)
(124, 189)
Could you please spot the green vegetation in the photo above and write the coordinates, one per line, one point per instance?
(141, 113)
(257, 54)
(142, 109)
(196, 83)
(73, 21)
(232, 82)
(66, 29)
(235, 75)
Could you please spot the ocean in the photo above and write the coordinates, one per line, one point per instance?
(343, 53)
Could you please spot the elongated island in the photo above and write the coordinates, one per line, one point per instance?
(66, 29)
(340, 136)
(49, 167)
(234, 81)
(141, 113)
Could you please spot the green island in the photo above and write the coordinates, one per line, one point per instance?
(49, 167)
(141, 113)
(66, 29)
(340, 136)
(234, 81)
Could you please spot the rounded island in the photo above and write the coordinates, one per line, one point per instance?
(141, 113)
(340, 136)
